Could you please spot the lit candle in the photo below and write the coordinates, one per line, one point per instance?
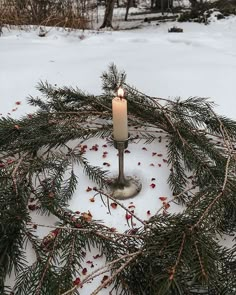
(120, 121)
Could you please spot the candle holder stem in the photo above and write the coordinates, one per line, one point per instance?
(121, 176)
(124, 187)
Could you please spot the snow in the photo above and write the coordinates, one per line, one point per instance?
(201, 61)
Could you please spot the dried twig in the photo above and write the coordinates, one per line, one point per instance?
(15, 171)
(121, 205)
(200, 260)
(38, 289)
(178, 257)
(108, 280)
(107, 266)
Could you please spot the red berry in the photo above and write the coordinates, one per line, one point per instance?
(32, 207)
(97, 256)
(76, 281)
(114, 205)
(163, 199)
(128, 216)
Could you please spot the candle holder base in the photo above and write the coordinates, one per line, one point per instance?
(131, 187)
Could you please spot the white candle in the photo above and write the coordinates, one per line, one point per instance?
(120, 121)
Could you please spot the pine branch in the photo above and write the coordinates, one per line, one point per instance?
(177, 254)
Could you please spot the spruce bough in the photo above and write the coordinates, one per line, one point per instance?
(173, 254)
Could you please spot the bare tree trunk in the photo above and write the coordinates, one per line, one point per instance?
(194, 3)
(107, 22)
(164, 5)
(129, 2)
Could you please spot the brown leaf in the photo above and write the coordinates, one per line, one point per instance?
(166, 205)
(51, 195)
(89, 189)
(104, 279)
(87, 216)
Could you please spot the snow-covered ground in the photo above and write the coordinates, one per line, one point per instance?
(201, 61)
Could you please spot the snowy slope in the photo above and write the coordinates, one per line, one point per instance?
(201, 61)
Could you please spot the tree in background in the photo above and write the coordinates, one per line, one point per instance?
(130, 3)
(162, 4)
(107, 22)
(110, 4)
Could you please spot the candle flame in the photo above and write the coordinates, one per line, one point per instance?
(120, 92)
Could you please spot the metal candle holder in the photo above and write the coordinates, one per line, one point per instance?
(124, 187)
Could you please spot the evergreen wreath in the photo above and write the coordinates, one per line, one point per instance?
(172, 254)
